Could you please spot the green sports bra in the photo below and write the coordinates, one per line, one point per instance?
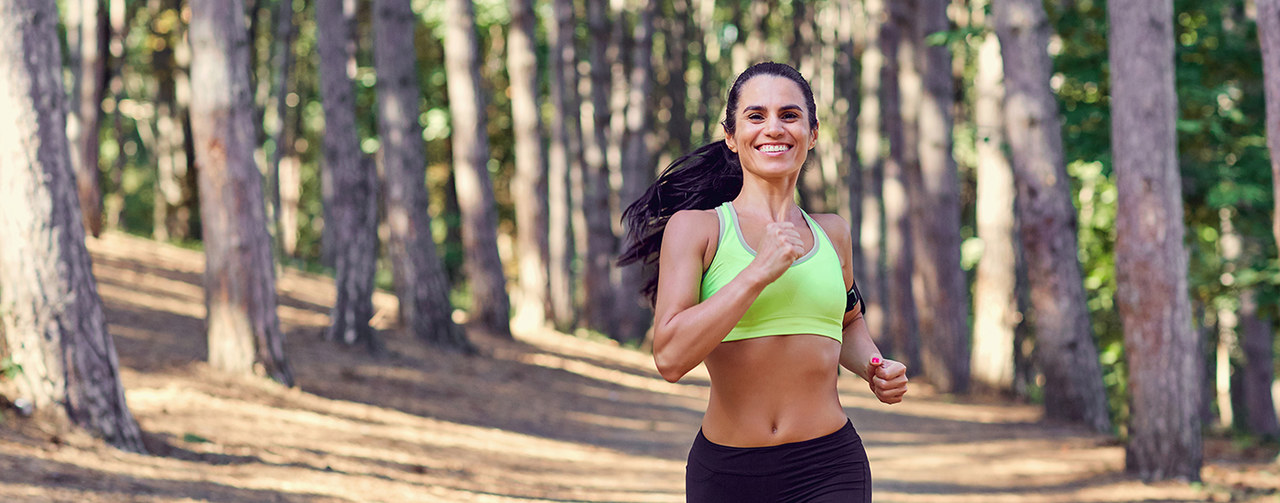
(808, 298)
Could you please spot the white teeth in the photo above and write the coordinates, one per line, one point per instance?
(773, 148)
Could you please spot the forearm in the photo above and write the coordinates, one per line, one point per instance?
(858, 348)
(685, 339)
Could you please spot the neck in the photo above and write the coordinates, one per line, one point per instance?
(774, 198)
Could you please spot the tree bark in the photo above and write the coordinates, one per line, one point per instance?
(240, 295)
(283, 135)
(995, 300)
(871, 155)
(899, 257)
(530, 182)
(420, 280)
(638, 170)
(562, 157)
(1047, 220)
(490, 306)
(51, 319)
(1151, 263)
(354, 216)
(591, 223)
(944, 325)
(1269, 41)
(87, 42)
(1258, 373)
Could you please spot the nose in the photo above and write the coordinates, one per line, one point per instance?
(773, 126)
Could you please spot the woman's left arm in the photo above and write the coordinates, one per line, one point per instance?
(858, 352)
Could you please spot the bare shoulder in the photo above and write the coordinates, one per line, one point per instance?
(835, 226)
(693, 231)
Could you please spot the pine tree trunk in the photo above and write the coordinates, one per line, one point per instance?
(1151, 263)
(995, 301)
(530, 181)
(638, 170)
(244, 331)
(1269, 41)
(420, 280)
(283, 135)
(490, 306)
(562, 157)
(899, 302)
(1047, 220)
(1259, 355)
(870, 152)
(51, 318)
(678, 35)
(354, 214)
(944, 325)
(594, 232)
(87, 42)
(848, 55)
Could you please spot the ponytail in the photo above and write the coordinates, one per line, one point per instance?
(700, 180)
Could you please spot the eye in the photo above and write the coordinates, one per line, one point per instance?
(755, 116)
(790, 116)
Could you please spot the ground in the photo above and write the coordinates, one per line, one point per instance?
(546, 417)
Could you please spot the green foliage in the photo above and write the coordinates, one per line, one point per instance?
(9, 369)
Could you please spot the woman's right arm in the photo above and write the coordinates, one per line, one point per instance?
(686, 331)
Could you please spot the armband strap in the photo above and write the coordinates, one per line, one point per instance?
(854, 298)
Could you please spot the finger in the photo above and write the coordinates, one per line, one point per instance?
(891, 369)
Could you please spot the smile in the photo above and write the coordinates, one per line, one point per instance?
(773, 148)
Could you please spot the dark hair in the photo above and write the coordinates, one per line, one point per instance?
(699, 180)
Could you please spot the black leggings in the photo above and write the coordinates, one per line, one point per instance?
(828, 469)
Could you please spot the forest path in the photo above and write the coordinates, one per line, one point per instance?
(546, 417)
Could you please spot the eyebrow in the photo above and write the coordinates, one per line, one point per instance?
(758, 108)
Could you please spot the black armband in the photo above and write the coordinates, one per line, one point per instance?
(854, 298)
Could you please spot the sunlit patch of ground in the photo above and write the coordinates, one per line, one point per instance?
(546, 417)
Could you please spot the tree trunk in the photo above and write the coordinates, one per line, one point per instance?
(594, 232)
(530, 180)
(944, 325)
(637, 170)
(562, 157)
(848, 55)
(678, 36)
(87, 38)
(995, 300)
(1269, 41)
(490, 306)
(283, 135)
(51, 318)
(420, 280)
(1230, 246)
(240, 295)
(170, 151)
(1151, 263)
(899, 257)
(1047, 220)
(354, 216)
(1255, 384)
(871, 155)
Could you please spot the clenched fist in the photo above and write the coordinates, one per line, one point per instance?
(887, 378)
(779, 247)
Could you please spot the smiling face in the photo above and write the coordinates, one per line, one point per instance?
(772, 133)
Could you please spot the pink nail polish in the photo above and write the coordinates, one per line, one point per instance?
(875, 360)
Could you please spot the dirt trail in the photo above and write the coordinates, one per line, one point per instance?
(546, 417)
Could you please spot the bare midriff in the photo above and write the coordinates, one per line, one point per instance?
(773, 390)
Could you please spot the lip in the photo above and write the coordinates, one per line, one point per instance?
(759, 148)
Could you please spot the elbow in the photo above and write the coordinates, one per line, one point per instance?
(670, 371)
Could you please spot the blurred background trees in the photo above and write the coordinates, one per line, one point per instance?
(968, 142)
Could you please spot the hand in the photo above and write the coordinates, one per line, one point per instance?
(887, 378)
(780, 247)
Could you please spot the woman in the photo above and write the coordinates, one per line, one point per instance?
(763, 294)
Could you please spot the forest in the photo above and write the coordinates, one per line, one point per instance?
(1069, 205)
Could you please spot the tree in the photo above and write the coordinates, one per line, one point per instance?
(240, 294)
(88, 31)
(995, 301)
(530, 177)
(934, 189)
(563, 155)
(1047, 220)
(51, 319)
(637, 168)
(1259, 371)
(354, 217)
(591, 222)
(489, 303)
(1151, 264)
(895, 76)
(420, 281)
(872, 280)
(175, 192)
